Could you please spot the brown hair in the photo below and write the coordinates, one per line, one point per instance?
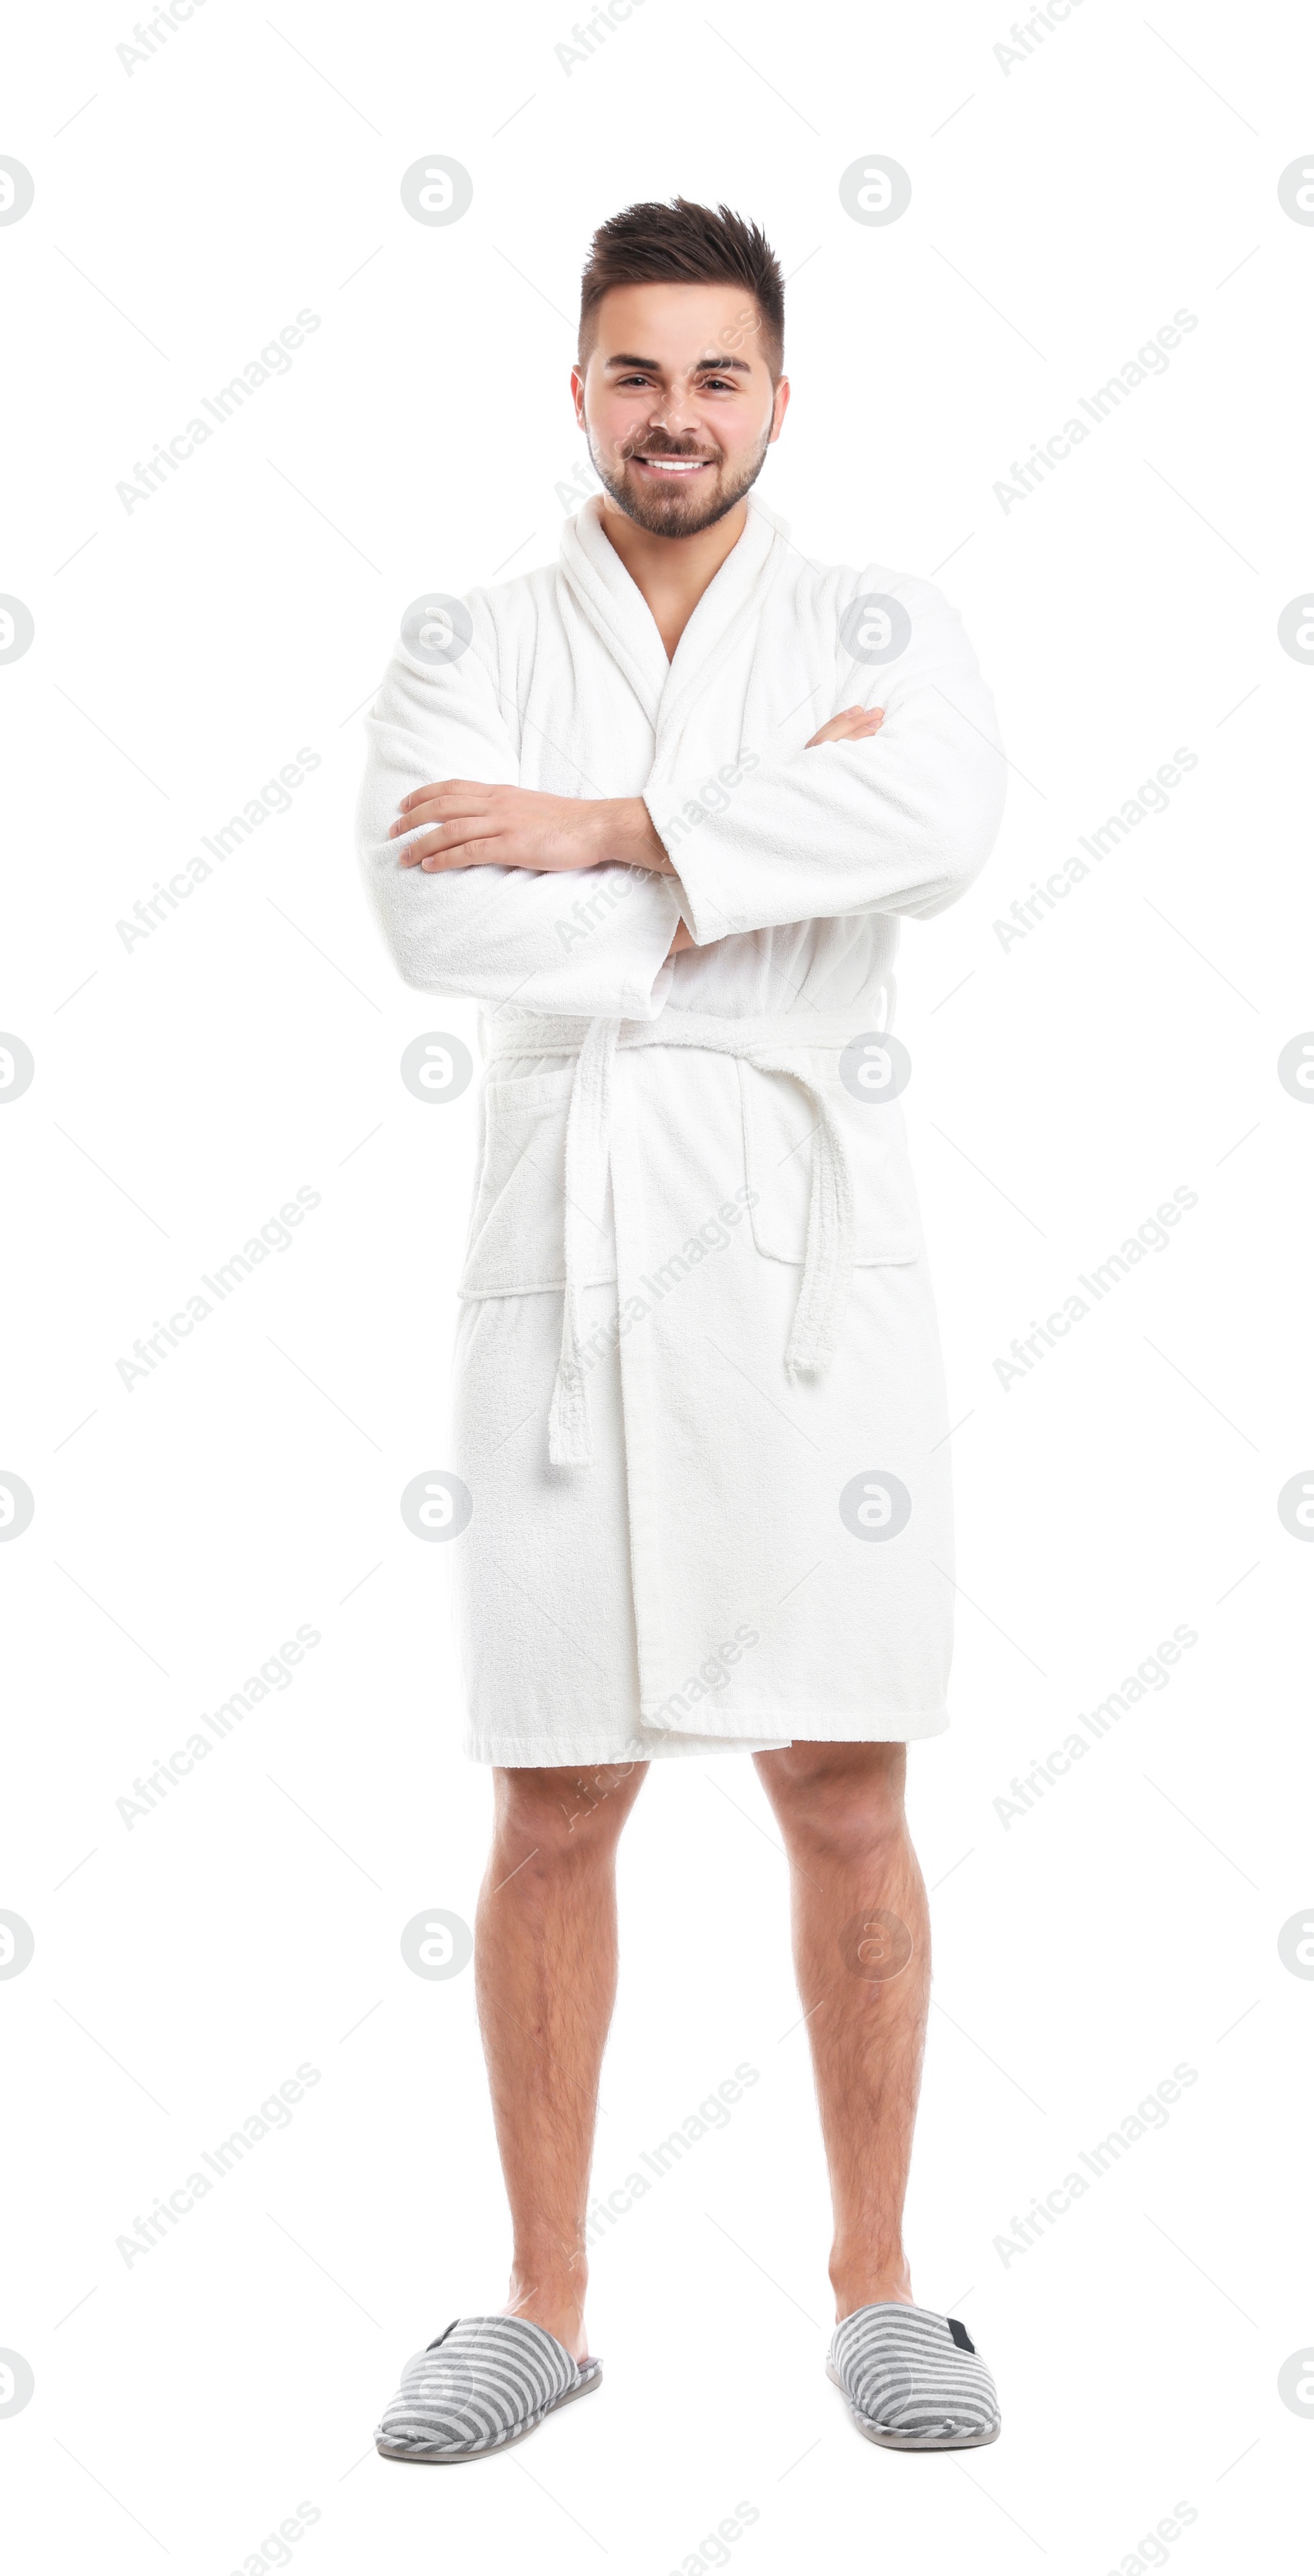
(684, 243)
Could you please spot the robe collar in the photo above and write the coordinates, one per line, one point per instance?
(620, 616)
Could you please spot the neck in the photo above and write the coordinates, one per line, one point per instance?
(672, 572)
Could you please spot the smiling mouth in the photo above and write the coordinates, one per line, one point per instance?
(673, 465)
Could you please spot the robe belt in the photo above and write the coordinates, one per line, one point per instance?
(775, 1045)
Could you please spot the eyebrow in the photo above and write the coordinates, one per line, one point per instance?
(701, 367)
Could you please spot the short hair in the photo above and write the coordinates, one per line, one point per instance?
(685, 244)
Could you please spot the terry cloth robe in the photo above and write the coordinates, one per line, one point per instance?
(699, 1405)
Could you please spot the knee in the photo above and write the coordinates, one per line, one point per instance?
(842, 1804)
(562, 1817)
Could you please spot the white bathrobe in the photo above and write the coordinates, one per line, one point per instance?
(699, 1404)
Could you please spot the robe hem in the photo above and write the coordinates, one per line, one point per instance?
(546, 1752)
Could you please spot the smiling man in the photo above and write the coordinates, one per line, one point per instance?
(660, 808)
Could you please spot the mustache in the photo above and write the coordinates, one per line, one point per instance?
(685, 455)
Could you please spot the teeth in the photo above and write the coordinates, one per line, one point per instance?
(673, 465)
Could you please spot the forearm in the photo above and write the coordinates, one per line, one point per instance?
(632, 836)
(589, 943)
(899, 825)
(457, 823)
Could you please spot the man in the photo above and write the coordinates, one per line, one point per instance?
(699, 1403)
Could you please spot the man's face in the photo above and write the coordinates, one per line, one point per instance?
(677, 403)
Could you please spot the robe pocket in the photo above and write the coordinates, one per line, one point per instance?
(779, 1119)
(516, 1243)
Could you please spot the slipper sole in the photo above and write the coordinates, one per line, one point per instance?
(891, 2441)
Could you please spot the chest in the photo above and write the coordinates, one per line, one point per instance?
(590, 724)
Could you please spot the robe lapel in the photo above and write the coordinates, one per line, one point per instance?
(621, 618)
(731, 601)
(614, 607)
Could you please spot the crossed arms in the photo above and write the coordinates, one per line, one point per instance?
(469, 825)
(475, 879)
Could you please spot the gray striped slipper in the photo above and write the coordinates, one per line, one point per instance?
(914, 2380)
(483, 2383)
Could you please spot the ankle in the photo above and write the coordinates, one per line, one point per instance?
(552, 2300)
(865, 2281)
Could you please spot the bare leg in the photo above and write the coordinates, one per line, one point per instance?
(545, 1982)
(862, 1956)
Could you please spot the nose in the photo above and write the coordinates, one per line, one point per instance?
(675, 417)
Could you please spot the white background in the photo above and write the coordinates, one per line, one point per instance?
(1063, 209)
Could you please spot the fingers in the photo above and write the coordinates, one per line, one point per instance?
(852, 724)
(420, 849)
(440, 786)
(471, 854)
(448, 796)
(448, 840)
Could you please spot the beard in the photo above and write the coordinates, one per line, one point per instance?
(675, 511)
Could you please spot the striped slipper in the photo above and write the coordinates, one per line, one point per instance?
(914, 2380)
(484, 2382)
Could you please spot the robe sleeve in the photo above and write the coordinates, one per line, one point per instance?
(900, 823)
(590, 943)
